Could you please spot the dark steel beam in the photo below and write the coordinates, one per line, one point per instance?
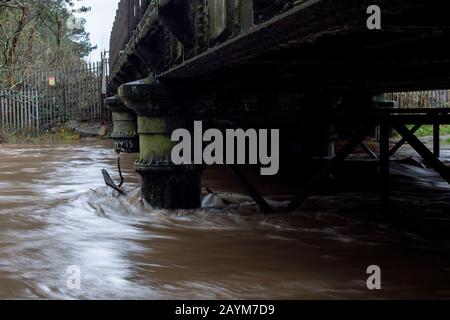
(384, 164)
(317, 179)
(403, 140)
(260, 201)
(436, 140)
(369, 151)
(426, 154)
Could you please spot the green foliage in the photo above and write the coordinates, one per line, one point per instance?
(45, 39)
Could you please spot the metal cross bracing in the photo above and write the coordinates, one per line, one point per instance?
(397, 119)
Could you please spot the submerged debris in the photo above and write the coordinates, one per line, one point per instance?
(212, 201)
(110, 182)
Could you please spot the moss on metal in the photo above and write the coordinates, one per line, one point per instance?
(155, 149)
(125, 126)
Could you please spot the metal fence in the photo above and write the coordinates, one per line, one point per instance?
(47, 98)
(421, 99)
(19, 110)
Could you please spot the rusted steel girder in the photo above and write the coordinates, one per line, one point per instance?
(317, 43)
(193, 26)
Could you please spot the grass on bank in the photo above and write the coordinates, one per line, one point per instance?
(427, 130)
(55, 135)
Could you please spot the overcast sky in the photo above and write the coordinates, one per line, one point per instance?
(99, 24)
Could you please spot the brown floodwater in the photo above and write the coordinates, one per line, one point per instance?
(55, 212)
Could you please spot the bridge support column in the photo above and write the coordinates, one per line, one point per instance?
(125, 133)
(163, 184)
(321, 135)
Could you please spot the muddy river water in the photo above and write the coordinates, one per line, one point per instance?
(56, 213)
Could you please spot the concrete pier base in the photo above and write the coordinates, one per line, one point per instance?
(125, 135)
(170, 186)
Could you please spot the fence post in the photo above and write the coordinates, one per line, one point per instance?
(103, 89)
(29, 111)
(3, 108)
(36, 106)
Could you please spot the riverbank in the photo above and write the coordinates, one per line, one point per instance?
(68, 132)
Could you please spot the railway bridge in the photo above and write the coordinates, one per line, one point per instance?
(311, 68)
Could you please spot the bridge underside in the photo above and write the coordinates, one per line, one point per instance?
(318, 45)
(295, 71)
